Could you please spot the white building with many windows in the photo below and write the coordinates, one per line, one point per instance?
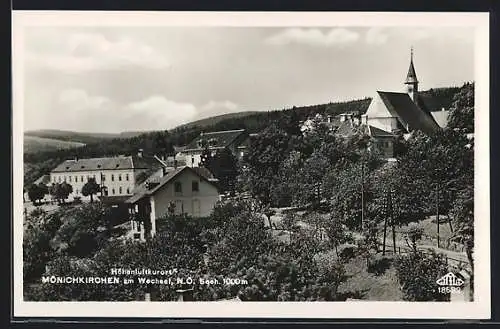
(117, 176)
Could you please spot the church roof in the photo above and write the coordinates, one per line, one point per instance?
(401, 106)
(411, 77)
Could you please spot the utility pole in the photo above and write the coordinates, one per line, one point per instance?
(362, 193)
(392, 222)
(437, 212)
(385, 221)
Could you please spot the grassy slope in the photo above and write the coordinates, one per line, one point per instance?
(39, 144)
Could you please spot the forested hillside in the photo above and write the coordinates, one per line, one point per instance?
(160, 142)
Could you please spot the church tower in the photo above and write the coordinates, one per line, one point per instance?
(411, 80)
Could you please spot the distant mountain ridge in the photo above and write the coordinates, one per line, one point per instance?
(156, 142)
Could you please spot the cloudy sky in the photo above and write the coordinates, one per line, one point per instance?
(115, 79)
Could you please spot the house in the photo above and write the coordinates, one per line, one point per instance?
(390, 113)
(45, 179)
(185, 190)
(117, 176)
(233, 140)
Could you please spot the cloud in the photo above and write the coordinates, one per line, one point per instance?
(158, 113)
(376, 36)
(93, 51)
(314, 37)
(214, 105)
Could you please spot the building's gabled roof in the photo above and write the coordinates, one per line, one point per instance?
(441, 118)
(216, 139)
(377, 132)
(45, 179)
(142, 190)
(401, 106)
(108, 163)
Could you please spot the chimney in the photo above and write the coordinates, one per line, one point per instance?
(140, 152)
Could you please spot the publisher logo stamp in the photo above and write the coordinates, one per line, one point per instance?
(449, 283)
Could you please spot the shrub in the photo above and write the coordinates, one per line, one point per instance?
(417, 274)
(378, 264)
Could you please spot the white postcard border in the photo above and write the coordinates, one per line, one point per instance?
(479, 309)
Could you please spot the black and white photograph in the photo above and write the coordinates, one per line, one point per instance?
(277, 164)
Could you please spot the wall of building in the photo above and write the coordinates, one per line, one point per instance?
(196, 204)
(378, 116)
(119, 182)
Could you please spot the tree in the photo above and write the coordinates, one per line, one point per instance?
(462, 215)
(60, 191)
(37, 192)
(267, 152)
(417, 273)
(462, 109)
(90, 188)
(223, 165)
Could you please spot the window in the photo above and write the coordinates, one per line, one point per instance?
(126, 177)
(195, 186)
(93, 176)
(178, 187)
(112, 177)
(88, 178)
(69, 179)
(120, 177)
(120, 190)
(59, 179)
(103, 177)
(128, 190)
(64, 178)
(76, 179)
(81, 179)
(112, 191)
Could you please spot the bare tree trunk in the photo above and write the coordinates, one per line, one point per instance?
(394, 237)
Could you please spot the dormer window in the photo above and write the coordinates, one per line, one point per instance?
(117, 165)
(98, 166)
(83, 167)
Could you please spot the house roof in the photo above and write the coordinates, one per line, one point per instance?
(216, 139)
(377, 132)
(441, 118)
(108, 163)
(401, 106)
(142, 190)
(45, 179)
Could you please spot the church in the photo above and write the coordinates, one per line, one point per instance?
(390, 113)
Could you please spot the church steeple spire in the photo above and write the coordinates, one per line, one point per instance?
(411, 80)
